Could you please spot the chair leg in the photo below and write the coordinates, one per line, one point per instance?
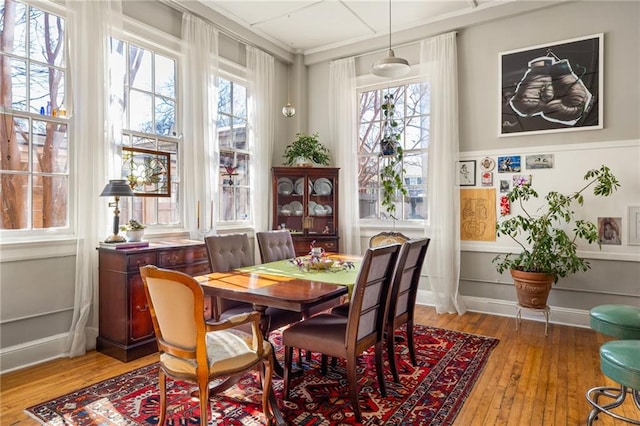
(380, 370)
(323, 365)
(412, 350)
(288, 355)
(391, 354)
(203, 388)
(266, 371)
(162, 384)
(353, 383)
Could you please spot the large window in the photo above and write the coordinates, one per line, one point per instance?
(412, 108)
(150, 158)
(34, 142)
(235, 156)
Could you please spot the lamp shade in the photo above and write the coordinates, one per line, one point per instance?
(117, 188)
(288, 110)
(390, 66)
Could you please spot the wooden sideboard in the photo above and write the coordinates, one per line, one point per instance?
(125, 327)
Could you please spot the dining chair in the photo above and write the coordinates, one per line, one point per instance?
(198, 352)
(347, 337)
(402, 296)
(275, 245)
(385, 238)
(232, 251)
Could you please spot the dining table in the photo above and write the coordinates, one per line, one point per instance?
(294, 284)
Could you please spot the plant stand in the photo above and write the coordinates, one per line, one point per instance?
(546, 311)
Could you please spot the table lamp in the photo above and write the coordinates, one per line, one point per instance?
(116, 188)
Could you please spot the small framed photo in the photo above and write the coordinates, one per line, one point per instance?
(634, 225)
(539, 161)
(467, 173)
(609, 231)
(509, 164)
(519, 180)
(487, 179)
(505, 185)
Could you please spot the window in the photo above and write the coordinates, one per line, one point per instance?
(235, 156)
(34, 142)
(149, 137)
(412, 109)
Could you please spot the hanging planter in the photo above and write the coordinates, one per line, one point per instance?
(391, 170)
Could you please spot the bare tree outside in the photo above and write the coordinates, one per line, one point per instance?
(34, 145)
(413, 115)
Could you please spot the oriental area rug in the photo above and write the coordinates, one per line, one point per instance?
(449, 363)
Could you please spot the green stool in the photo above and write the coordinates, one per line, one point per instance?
(620, 361)
(621, 321)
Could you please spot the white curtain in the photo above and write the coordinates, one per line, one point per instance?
(96, 151)
(260, 73)
(438, 56)
(343, 125)
(201, 155)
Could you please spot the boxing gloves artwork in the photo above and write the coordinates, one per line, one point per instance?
(550, 89)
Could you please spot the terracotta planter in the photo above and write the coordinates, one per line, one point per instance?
(532, 288)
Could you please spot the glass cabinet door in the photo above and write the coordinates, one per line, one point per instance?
(321, 206)
(290, 202)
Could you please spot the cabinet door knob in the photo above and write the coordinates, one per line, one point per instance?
(142, 309)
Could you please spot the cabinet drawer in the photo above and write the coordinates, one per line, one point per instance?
(196, 254)
(169, 259)
(135, 261)
(195, 269)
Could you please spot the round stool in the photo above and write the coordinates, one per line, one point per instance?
(621, 321)
(620, 361)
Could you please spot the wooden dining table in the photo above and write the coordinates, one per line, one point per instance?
(286, 285)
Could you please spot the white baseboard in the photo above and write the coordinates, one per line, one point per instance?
(505, 308)
(33, 352)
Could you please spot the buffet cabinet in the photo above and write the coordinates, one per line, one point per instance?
(306, 203)
(125, 326)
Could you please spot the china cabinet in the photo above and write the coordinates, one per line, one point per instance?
(306, 203)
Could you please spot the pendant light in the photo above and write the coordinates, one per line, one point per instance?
(287, 110)
(390, 66)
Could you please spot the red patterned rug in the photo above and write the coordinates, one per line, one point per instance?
(450, 362)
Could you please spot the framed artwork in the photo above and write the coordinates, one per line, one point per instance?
(505, 185)
(552, 87)
(467, 173)
(609, 231)
(509, 164)
(539, 161)
(147, 171)
(634, 225)
(487, 179)
(478, 214)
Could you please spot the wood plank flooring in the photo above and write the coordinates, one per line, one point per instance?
(530, 379)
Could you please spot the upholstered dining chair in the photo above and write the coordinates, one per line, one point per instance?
(275, 245)
(231, 251)
(347, 337)
(385, 238)
(199, 352)
(402, 297)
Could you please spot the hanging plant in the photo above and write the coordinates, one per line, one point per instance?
(391, 154)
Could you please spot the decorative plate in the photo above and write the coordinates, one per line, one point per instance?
(297, 208)
(487, 164)
(323, 186)
(285, 186)
(286, 210)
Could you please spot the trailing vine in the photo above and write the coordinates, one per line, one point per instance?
(391, 154)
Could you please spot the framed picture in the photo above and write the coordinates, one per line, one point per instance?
(609, 230)
(552, 87)
(509, 164)
(539, 161)
(467, 173)
(634, 225)
(147, 171)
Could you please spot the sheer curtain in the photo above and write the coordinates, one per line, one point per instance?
(438, 56)
(343, 125)
(260, 70)
(96, 149)
(199, 75)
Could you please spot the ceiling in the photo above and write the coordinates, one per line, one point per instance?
(310, 26)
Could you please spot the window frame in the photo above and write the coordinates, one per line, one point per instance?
(59, 233)
(366, 83)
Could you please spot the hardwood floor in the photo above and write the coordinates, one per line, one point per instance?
(530, 379)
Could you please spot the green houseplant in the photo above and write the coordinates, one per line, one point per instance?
(547, 238)
(133, 229)
(392, 154)
(306, 147)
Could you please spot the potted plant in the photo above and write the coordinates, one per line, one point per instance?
(392, 154)
(547, 237)
(134, 230)
(306, 150)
